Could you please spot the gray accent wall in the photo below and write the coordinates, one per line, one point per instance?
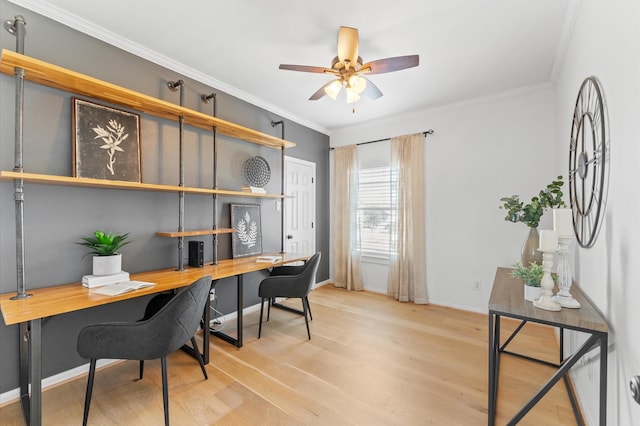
(55, 216)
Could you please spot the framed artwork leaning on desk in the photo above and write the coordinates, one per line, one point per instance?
(247, 230)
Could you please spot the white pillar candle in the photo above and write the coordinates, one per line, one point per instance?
(563, 222)
(548, 240)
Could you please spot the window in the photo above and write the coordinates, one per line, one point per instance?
(375, 210)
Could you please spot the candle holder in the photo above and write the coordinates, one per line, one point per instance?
(546, 301)
(564, 298)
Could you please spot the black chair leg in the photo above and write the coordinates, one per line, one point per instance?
(261, 311)
(199, 356)
(165, 390)
(269, 308)
(306, 320)
(87, 398)
(141, 368)
(306, 299)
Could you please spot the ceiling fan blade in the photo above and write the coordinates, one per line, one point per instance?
(321, 92)
(391, 64)
(348, 46)
(371, 91)
(306, 68)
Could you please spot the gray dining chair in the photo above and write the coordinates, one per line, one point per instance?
(290, 282)
(156, 303)
(165, 332)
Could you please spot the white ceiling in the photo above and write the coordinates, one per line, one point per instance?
(467, 48)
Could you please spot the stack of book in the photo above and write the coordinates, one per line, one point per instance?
(93, 281)
(254, 189)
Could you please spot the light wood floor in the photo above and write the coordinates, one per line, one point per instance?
(371, 361)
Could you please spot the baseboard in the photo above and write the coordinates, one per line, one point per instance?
(321, 283)
(459, 307)
(13, 395)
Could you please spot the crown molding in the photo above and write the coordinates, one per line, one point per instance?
(411, 115)
(570, 18)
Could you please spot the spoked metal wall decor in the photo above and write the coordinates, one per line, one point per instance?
(589, 153)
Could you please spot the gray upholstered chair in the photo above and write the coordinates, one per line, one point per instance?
(291, 282)
(171, 327)
(156, 303)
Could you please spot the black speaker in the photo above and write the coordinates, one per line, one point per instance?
(196, 254)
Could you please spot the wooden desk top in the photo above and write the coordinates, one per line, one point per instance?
(60, 299)
(507, 298)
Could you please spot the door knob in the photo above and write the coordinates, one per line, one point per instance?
(289, 237)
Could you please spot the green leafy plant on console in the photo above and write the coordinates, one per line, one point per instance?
(530, 213)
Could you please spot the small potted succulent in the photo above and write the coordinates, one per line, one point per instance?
(531, 276)
(104, 246)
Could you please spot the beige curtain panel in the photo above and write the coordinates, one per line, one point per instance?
(346, 256)
(407, 268)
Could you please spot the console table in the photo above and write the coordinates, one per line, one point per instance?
(49, 301)
(507, 299)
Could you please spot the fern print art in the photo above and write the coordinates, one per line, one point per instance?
(246, 239)
(247, 230)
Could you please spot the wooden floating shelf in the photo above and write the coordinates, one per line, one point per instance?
(195, 233)
(118, 184)
(61, 78)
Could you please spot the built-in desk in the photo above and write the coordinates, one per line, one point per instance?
(49, 301)
(507, 299)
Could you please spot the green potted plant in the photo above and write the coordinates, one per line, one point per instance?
(531, 277)
(104, 246)
(530, 214)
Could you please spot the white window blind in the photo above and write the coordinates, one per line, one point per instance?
(375, 210)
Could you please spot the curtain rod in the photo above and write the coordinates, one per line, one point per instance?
(425, 133)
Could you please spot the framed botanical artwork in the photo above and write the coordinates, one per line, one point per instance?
(246, 238)
(106, 142)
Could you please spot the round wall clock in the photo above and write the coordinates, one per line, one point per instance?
(588, 162)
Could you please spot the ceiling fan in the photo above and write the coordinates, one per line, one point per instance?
(348, 68)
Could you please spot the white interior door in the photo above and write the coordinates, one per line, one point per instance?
(300, 206)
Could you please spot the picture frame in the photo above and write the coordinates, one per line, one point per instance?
(106, 142)
(246, 239)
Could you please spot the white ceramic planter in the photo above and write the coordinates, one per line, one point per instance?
(107, 265)
(532, 293)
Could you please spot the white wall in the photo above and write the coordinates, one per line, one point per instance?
(605, 43)
(481, 150)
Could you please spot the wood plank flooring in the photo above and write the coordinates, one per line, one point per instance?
(371, 361)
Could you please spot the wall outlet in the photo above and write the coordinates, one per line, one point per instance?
(278, 205)
(212, 294)
(477, 286)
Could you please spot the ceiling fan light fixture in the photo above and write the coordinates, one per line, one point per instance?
(347, 66)
(352, 96)
(333, 88)
(357, 83)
